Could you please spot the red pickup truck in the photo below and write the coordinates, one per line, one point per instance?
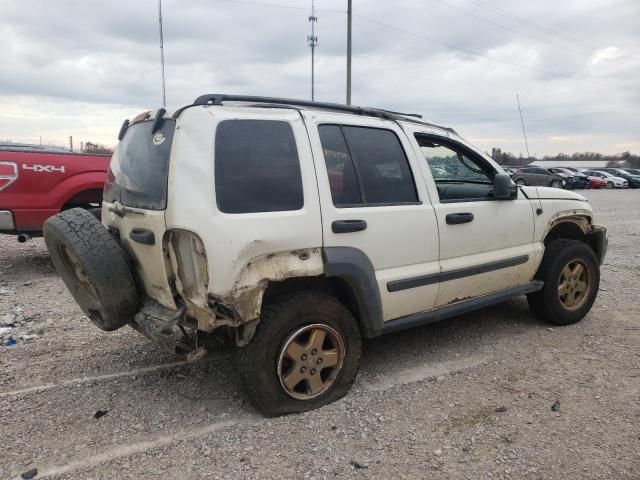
(38, 183)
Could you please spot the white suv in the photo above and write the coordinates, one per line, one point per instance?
(298, 228)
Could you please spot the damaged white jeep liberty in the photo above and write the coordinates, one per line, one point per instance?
(298, 228)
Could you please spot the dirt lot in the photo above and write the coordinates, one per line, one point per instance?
(465, 398)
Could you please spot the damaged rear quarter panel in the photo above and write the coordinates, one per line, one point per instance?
(248, 290)
(243, 251)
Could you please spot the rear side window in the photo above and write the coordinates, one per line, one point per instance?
(257, 168)
(366, 166)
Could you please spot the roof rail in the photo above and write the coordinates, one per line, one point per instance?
(218, 99)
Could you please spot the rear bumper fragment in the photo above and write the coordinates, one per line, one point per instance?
(158, 323)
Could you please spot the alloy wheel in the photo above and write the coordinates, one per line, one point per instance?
(574, 284)
(310, 361)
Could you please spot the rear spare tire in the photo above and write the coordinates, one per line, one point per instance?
(93, 267)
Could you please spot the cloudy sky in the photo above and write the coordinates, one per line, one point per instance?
(79, 67)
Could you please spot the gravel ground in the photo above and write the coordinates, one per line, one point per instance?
(466, 398)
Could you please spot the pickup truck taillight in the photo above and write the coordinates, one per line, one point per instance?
(8, 174)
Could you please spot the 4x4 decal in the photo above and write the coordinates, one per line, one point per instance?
(43, 168)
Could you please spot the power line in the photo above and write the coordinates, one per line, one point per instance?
(517, 32)
(481, 55)
(534, 25)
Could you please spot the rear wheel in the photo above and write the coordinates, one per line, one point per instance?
(93, 267)
(571, 277)
(305, 354)
(521, 182)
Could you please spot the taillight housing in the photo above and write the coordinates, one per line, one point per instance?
(8, 174)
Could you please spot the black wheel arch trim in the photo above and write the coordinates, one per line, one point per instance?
(354, 266)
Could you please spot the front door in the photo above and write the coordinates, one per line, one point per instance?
(373, 198)
(486, 245)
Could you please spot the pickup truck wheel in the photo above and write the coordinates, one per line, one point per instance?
(93, 267)
(305, 354)
(571, 277)
(521, 181)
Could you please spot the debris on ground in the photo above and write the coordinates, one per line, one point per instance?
(501, 409)
(100, 413)
(556, 406)
(30, 474)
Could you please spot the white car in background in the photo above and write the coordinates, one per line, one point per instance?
(612, 180)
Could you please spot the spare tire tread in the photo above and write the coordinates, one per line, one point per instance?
(104, 262)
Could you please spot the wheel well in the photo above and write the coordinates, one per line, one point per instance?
(85, 198)
(565, 230)
(334, 286)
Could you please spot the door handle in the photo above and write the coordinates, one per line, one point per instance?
(348, 226)
(457, 218)
(142, 235)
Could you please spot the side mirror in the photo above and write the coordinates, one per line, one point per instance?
(504, 188)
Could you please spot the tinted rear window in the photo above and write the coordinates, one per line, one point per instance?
(139, 168)
(257, 168)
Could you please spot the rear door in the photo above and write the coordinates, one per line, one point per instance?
(373, 199)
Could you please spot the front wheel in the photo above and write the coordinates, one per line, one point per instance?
(610, 185)
(305, 354)
(556, 184)
(521, 182)
(571, 276)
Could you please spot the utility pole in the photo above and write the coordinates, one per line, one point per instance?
(524, 133)
(349, 52)
(71, 143)
(313, 43)
(164, 96)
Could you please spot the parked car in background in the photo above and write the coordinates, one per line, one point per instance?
(572, 179)
(38, 183)
(632, 178)
(594, 182)
(612, 180)
(634, 171)
(597, 182)
(538, 176)
(509, 170)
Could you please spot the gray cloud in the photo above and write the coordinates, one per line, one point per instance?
(68, 58)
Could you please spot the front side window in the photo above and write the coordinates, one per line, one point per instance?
(366, 166)
(257, 168)
(458, 175)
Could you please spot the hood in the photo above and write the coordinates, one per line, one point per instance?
(548, 193)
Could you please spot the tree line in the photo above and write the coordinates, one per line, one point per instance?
(625, 159)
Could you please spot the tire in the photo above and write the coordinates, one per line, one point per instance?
(260, 362)
(521, 182)
(609, 184)
(96, 212)
(93, 267)
(547, 304)
(556, 184)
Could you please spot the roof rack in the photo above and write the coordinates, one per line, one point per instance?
(218, 99)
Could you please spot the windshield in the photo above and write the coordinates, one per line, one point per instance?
(139, 167)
